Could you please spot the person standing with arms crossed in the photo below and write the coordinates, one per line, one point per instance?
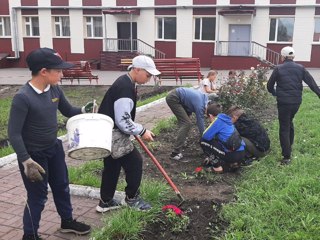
(32, 131)
(288, 78)
(119, 103)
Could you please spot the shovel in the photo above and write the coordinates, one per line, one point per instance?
(161, 170)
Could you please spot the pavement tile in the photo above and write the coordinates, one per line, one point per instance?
(13, 234)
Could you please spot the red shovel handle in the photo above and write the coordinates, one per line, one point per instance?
(160, 168)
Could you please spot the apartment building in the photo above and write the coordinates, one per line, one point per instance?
(224, 34)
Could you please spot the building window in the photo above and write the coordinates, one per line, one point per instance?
(32, 26)
(5, 29)
(94, 27)
(62, 26)
(316, 34)
(167, 28)
(205, 28)
(281, 29)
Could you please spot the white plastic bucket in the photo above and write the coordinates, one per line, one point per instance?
(89, 136)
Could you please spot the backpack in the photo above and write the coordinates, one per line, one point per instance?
(252, 130)
(234, 141)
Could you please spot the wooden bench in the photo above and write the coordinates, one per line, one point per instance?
(125, 63)
(178, 69)
(81, 70)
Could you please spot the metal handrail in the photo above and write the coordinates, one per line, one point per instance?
(132, 45)
(247, 48)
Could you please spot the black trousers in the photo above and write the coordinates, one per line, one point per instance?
(226, 158)
(53, 162)
(286, 113)
(132, 165)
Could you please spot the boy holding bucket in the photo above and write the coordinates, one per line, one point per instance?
(119, 103)
(32, 131)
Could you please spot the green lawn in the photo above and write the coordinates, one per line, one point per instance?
(282, 202)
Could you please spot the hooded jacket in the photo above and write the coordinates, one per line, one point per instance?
(221, 128)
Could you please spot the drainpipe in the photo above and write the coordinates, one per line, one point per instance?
(218, 49)
(251, 52)
(15, 35)
(131, 31)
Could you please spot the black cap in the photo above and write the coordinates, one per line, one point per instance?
(46, 58)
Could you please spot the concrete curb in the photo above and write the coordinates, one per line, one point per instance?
(92, 192)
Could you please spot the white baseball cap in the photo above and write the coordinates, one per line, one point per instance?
(145, 63)
(287, 51)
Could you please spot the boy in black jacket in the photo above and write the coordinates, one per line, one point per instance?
(288, 77)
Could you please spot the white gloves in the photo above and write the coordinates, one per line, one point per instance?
(33, 170)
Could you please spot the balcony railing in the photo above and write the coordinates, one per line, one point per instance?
(132, 45)
(250, 49)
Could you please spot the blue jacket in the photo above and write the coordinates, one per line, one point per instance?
(194, 101)
(222, 128)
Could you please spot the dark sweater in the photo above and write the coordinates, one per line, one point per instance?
(33, 119)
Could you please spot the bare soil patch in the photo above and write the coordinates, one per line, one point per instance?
(204, 195)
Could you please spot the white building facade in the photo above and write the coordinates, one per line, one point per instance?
(224, 34)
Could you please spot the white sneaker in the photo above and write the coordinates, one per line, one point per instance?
(178, 157)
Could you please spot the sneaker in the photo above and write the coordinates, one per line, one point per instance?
(210, 161)
(110, 205)
(138, 203)
(247, 162)
(31, 237)
(178, 157)
(73, 226)
(285, 161)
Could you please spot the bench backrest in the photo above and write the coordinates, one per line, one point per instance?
(126, 61)
(178, 63)
(80, 66)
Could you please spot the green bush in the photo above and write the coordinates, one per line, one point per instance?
(247, 91)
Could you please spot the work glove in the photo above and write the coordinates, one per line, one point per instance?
(33, 170)
(90, 107)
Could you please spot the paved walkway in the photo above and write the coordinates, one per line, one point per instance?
(13, 194)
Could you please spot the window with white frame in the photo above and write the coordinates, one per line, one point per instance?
(62, 26)
(5, 29)
(167, 28)
(31, 26)
(94, 27)
(281, 29)
(316, 34)
(205, 28)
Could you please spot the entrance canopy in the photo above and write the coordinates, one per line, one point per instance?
(114, 11)
(238, 11)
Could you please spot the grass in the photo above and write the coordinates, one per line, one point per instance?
(127, 223)
(282, 202)
(4, 116)
(272, 201)
(76, 96)
(151, 99)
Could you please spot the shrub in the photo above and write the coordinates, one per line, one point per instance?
(247, 91)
